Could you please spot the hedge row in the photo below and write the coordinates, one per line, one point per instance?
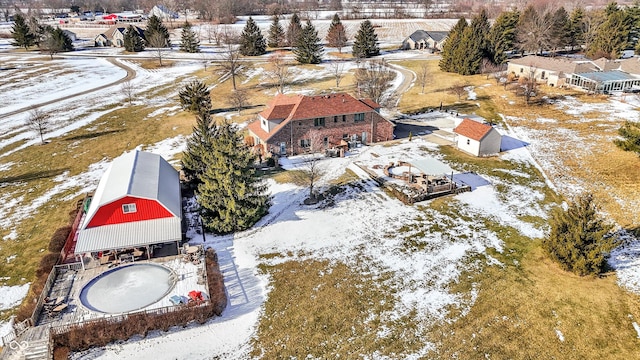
(104, 331)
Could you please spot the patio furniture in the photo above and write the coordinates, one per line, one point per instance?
(176, 300)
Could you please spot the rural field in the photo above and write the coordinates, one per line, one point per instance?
(359, 275)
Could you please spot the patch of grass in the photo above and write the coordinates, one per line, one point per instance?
(295, 177)
(328, 310)
(348, 177)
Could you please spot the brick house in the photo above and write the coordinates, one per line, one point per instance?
(289, 123)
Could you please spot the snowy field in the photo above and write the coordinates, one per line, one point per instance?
(420, 279)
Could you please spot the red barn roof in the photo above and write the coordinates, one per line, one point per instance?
(472, 129)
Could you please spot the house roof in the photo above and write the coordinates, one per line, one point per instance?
(422, 35)
(604, 76)
(121, 29)
(129, 235)
(138, 174)
(557, 64)
(472, 129)
(284, 108)
(630, 65)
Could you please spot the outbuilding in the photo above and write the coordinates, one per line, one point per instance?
(477, 138)
(137, 204)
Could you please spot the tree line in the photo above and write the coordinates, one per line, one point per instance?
(599, 32)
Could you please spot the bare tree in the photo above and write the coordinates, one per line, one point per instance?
(279, 70)
(529, 85)
(311, 171)
(39, 121)
(128, 90)
(337, 69)
(157, 43)
(488, 67)
(423, 76)
(458, 89)
(374, 78)
(534, 31)
(230, 60)
(238, 99)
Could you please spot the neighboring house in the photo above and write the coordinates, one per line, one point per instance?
(163, 13)
(477, 138)
(137, 204)
(114, 36)
(427, 40)
(289, 123)
(601, 76)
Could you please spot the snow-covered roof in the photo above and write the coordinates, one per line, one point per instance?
(138, 174)
(129, 235)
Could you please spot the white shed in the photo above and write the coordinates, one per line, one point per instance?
(477, 138)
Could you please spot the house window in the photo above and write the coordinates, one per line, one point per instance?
(326, 141)
(542, 76)
(335, 118)
(468, 142)
(358, 117)
(344, 118)
(318, 121)
(345, 136)
(129, 208)
(305, 143)
(521, 70)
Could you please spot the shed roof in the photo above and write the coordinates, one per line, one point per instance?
(129, 235)
(472, 129)
(138, 174)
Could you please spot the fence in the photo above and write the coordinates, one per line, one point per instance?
(45, 290)
(69, 244)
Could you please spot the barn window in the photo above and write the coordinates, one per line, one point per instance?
(129, 208)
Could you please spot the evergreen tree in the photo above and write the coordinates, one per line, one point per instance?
(633, 14)
(366, 41)
(308, 50)
(276, 33)
(580, 241)
(231, 196)
(612, 36)
(157, 30)
(473, 45)
(132, 40)
(294, 30)
(447, 56)
(195, 97)
(56, 41)
(577, 33)
(560, 29)
(630, 132)
(337, 35)
(502, 36)
(252, 42)
(21, 33)
(189, 42)
(198, 144)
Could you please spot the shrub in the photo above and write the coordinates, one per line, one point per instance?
(59, 238)
(580, 241)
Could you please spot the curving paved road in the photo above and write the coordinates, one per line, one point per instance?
(130, 75)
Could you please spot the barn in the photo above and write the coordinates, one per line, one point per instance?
(477, 138)
(137, 204)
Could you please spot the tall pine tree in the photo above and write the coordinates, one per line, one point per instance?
(132, 40)
(448, 62)
(502, 36)
(560, 30)
(276, 33)
(473, 45)
(56, 41)
(156, 30)
(231, 196)
(366, 41)
(577, 27)
(21, 33)
(308, 50)
(294, 30)
(612, 36)
(189, 41)
(337, 35)
(252, 42)
(198, 144)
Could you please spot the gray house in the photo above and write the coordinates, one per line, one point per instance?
(425, 40)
